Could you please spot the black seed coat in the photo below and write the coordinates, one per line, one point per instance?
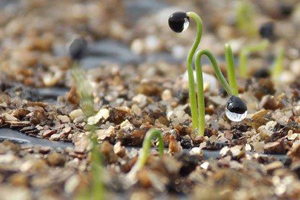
(267, 31)
(236, 105)
(177, 20)
(77, 48)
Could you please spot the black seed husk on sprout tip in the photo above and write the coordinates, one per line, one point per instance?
(77, 48)
(177, 21)
(286, 10)
(236, 105)
(267, 30)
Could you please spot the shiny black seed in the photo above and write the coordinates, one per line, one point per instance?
(236, 105)
(177, 20)
(267, 30)
(77, 48)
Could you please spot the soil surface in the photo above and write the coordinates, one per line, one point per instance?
(136, 68)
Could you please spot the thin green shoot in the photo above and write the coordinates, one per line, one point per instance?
(192, 94)
(246, 51)
(245, 18)
(85, 90)
(197, 100)
(231, 69)
(200, 92)
(143, 157)
(96, 191)
(97, 188)
(147, 145)
(277, 68)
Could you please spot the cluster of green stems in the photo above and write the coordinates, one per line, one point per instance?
(245, 22)
(197, 101)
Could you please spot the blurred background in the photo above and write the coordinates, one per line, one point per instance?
(34, 33)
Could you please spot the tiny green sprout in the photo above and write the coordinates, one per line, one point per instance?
(178, 22)
(142, 159)
(97, 189)
(246, 51)
(245, 18)
(231, 69)
(85, 90)
(147, 145)
(266, 31)
(277, 68)
(77, 49)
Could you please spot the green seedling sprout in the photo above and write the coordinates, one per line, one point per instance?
(231, 90)
(246, 51)
(142, 159)
(231, 69)
(147, 145)
(245, 19)
(277, 68)
(85, 90)
(178, 22)
(76, 50)
(266, 32)
(97, 188)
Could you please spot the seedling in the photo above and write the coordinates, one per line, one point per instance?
(96, 190)
(147, 145)
(266, 32)
(245, 19)
(179, 22)
(77, 50)
(142, 159)
(246, 51)
(278, 65)
(231, 69)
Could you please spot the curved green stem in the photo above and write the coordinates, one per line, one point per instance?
(278, 65)
(201, 107)
(217, 70)
(231, 69)
(246, 51)
(84, 88)
(147, 144)
(192, 94)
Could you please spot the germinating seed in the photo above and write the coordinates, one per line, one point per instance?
(236, 109)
